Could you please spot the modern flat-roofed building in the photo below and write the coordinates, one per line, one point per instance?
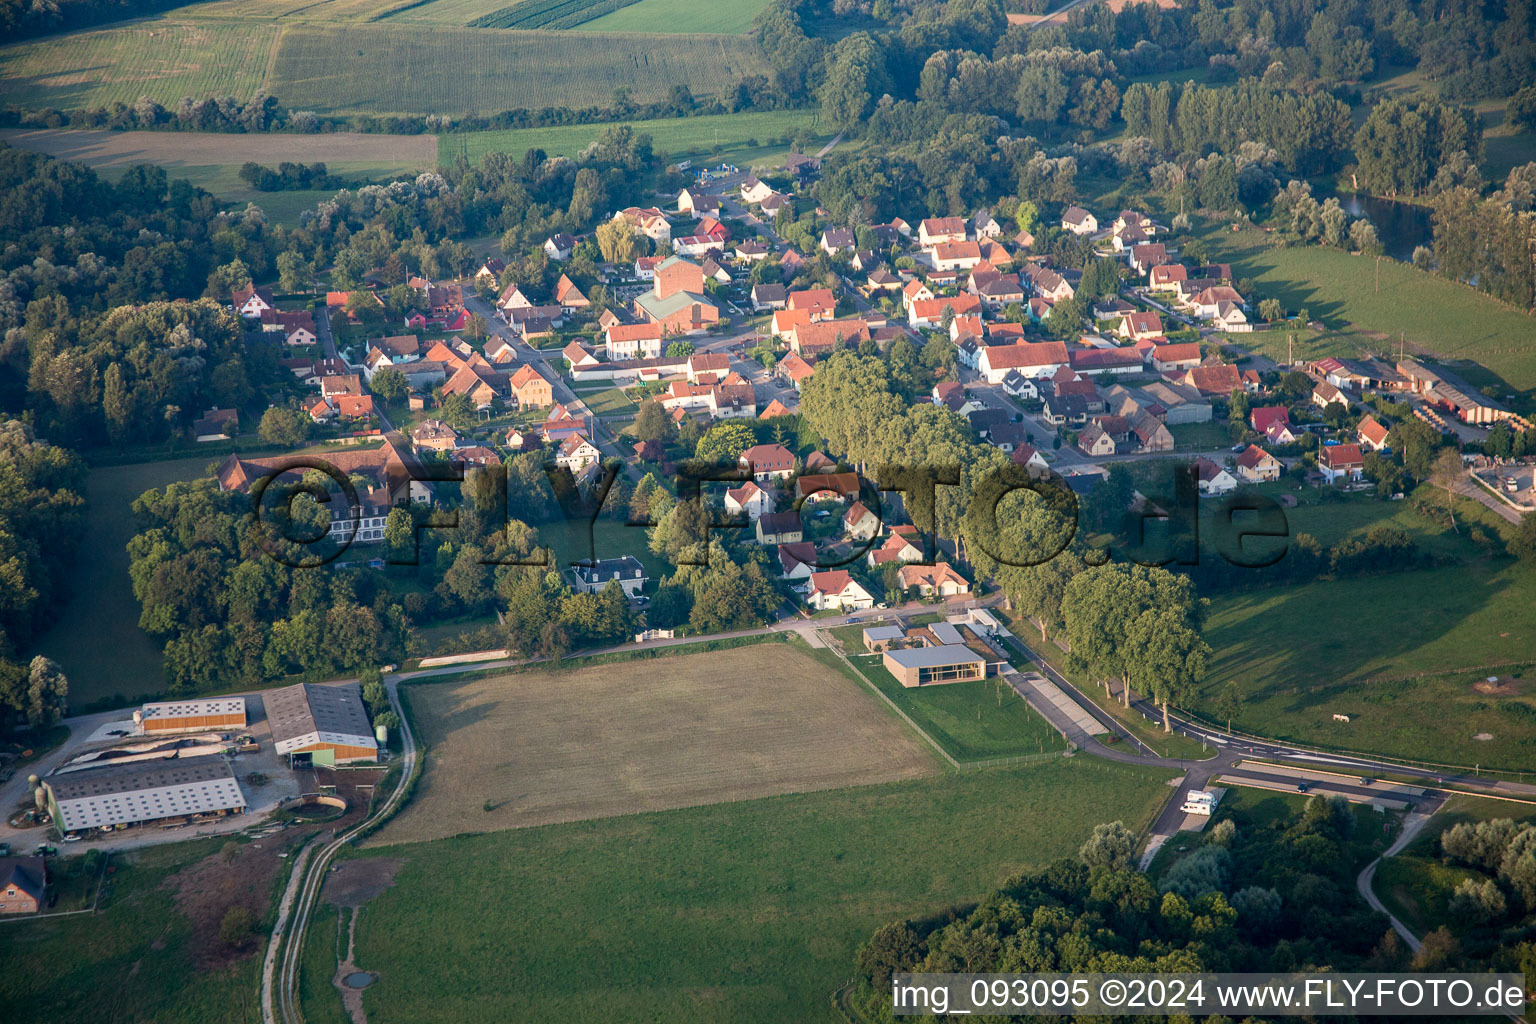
(327, 722)
(191, 715)
(878, 638)
(946, 663)
(134, 792)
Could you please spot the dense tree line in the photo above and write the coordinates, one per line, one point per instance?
(289, 176)
(133, 374)
(264, 113)
(229, 614)
(1278, 896)
(1488, 242)
(70, 234)
(1309, 133)
(40, 514)
(1403, 146)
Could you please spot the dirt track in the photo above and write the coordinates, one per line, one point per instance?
(200, 149)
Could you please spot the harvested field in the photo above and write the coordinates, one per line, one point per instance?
(162, 59)
(200, 149)
(543, 747)
(389, 67)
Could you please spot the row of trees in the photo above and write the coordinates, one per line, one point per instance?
(41, 507)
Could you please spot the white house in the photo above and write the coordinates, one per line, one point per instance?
(576, 453)
(1079, 221)
(933, 580)
(748, 498)
(860, 523)
(837, 589)
(1341, 462)
(1214, 479)
(559, 246)
(627, 570)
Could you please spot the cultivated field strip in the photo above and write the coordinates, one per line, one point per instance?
(162, 59)
(542, 747)
(549, 13)
(390, 68)
(358, 67)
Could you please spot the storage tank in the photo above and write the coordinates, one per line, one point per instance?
(381, 732)
(138, 719)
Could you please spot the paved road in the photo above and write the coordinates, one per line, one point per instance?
(1230, 751)
(1411, 827)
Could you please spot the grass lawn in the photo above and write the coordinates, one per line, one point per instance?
(133, 961)
(747, 912)
(678, 16)
(681, 137)
(96, 637)
(973, 720)
(325, 943)
(1201, 436)
(1430, 313)
(608, 539)
(1398, 653)
(607, 401)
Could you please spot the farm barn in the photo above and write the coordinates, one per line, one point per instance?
(327, 723)
(191, 715)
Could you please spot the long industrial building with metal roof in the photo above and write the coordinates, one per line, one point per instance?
(135, 792)
(328, 723)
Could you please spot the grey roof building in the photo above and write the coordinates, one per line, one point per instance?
(138, 791)
(327, 721)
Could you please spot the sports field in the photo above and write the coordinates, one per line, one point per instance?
(743, 138)
(748, 912)
(734, 16)
(590, 742)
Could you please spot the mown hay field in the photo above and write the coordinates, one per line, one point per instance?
(403, 154)
(540, 747)
(450, 12)
(301, 10)
(159, 58)
(679, 16)
(417, 69)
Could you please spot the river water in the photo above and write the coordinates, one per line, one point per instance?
(1400, 226)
